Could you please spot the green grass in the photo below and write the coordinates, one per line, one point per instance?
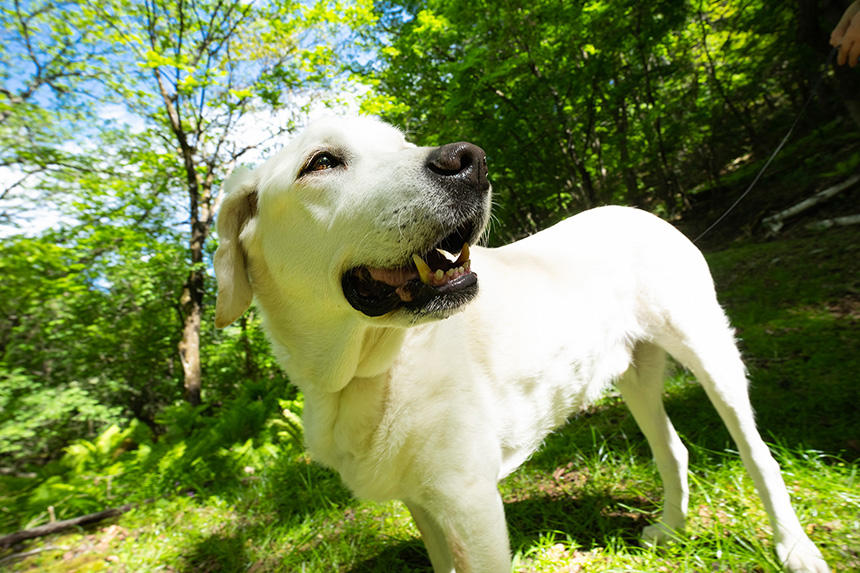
(580, 502)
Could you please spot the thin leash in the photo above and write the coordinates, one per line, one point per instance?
(779, 147)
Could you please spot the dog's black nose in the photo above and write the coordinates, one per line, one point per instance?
(460, 165)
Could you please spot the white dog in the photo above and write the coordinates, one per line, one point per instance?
(429, 376)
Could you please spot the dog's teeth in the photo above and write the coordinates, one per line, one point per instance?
(464, 255)
(441, 276)
(424, 271)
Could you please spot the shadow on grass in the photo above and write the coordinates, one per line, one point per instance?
(406, 556)
(217, 553)
(796, 303)
(799, 419)
(588, 519)
(803, 389)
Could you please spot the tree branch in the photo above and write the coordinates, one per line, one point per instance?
(47, 529)
(775, 222)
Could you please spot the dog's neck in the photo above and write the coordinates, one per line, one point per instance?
(379, 349)
(322, 353)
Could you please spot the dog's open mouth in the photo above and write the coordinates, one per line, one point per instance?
(439, 279)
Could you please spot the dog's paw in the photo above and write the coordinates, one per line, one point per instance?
(658, 534)
(801, 556)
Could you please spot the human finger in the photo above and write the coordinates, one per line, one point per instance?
(851, 41)
(854, 54)
(842, 55)
(838, 33)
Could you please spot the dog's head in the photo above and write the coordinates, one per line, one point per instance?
(352, 217)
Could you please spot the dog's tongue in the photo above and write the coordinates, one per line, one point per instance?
(394, 277)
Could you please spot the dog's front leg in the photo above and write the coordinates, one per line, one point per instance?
(434, 539)
(463, 528)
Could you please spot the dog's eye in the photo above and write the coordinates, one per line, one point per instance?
(321, 161)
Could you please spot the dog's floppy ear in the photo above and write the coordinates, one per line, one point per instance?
(234, 288)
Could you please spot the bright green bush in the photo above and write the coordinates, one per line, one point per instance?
(36, 419)
(204, 450)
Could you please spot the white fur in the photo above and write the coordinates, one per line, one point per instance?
(434, 413)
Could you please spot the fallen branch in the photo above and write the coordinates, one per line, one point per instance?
(775, 222)
(48, 528)
(16, 474)
(32, 552)
(834, 222)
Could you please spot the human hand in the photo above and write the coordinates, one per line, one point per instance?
(846, 35)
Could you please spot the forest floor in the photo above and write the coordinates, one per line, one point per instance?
(579, 503)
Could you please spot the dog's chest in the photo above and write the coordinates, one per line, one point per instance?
(342, 431)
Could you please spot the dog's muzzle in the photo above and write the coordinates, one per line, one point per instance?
(439, 278)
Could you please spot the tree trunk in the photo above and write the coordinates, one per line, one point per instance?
(200, 210)
(589, 192)
(192, 297)
(189, 345)
(775, 222)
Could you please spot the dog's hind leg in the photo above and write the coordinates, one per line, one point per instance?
(704, 343)
(641, 387)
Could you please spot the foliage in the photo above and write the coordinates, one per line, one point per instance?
(88, 336)
(200, 453)
(124, 118)
(289, 428)
(79, 322)
(37, 419)
(586, 103)
(45, 57)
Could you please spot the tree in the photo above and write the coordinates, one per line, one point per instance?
(45, 62)
(193, 85)
(583, 103)
(541, 89)
(199, 78)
